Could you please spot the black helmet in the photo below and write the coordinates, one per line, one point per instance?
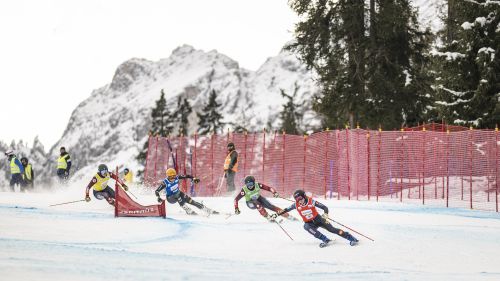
(249, 181)
(299, 194)
(126, 170)
(24, 159)
(230, 145)
(102, 169)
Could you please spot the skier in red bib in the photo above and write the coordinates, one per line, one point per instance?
(306, 207)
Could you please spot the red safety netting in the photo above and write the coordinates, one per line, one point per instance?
(454, 168)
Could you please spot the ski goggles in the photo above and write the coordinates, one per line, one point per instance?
(249, 184)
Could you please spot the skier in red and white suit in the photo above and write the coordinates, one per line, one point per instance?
(306, 207)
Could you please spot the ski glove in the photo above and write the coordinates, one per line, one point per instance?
(237, 210)
(274, 216)
(87, 198)
(160, 200)
(196, 180)
(325, 216)
(125, 187)
(276, 195)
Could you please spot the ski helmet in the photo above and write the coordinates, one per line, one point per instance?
(299, 194)
(102, 169)
(230, 145)
(249, 181)
(9, 152)
(24, 159)
(126, 170)
(171, 172)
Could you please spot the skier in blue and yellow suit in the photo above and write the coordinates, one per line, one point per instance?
(174, 194)
(100, 185)
(16, 169)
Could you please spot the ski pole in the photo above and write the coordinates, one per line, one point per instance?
(284, 230)
(228, 215)
(128, 191)
(67, 203)
(286, 199)
(351, 229)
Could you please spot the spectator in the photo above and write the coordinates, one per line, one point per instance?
(16, 170)
(230, 166)
(29, 175)
(63, 165)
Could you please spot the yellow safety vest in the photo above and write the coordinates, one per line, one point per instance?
(28, 172)
(61, 162)
(129, 177)
(14, 169)
(228, 161)
(101, 183)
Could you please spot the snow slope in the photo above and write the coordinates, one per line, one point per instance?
(83, 241)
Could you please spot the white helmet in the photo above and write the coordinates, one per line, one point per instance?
(9, 152)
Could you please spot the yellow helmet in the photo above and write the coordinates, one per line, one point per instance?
(171, 172)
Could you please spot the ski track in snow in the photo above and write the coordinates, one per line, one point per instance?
(84, 241)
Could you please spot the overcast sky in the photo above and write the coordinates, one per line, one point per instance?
(54, 53)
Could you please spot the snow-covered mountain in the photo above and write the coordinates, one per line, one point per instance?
(112, 124)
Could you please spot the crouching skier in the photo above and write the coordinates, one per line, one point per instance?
(173, 193)
(251, 192)
(306, 207)
(99, 184)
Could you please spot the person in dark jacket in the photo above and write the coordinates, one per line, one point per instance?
(174, 195)
(29, 174)
(306, 207)
(251, 192)
(230, 166)
(63, 165)
(16, 170)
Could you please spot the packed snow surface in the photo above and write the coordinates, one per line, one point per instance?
(84, 241)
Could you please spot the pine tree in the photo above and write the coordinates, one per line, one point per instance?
(368, 78)
(331, 40)
(468, 87)
(182, 113)
(397, 79)
(290, 117)
(161, 125)
(210, 118)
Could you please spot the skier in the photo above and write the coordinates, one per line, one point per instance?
(251, 192)
(306, 207)
(100, 185)
(16, 170)
(174, 194)
(29, 174)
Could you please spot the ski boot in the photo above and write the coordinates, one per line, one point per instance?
(325, 243)
(188, 210)
(208, 211)
(352, 240)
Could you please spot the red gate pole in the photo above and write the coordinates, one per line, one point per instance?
(368, 159)
(263, 155)
(337, 132)
(304, 163)
(470, 166)
(325, 164)
(348, 160)
(401, 167)
(283, 162)
(245, 155)
(447, 167)
(212, 162)
(156, 157)
(356, 174)
(147, 156)
(194, 154)
(423, 168)
(378, 163)
(496, 167)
